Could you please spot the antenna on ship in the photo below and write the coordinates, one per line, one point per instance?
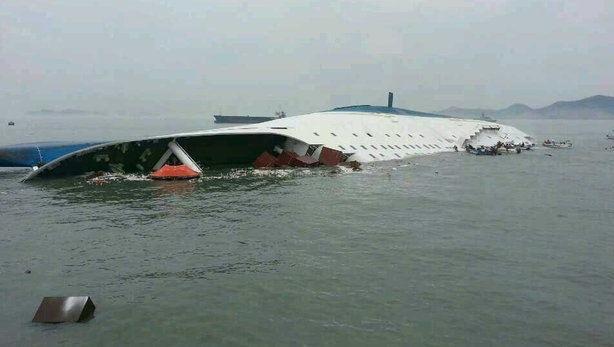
(390, 96)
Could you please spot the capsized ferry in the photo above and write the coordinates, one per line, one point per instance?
(363, 133)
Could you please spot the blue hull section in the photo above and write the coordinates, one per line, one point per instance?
(38, 154)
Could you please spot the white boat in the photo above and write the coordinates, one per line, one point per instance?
(487, 119)
(362, 133)
(553, 144)
(509, 150)
(610, 136)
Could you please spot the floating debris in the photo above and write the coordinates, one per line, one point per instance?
(92, 175)
(106, 177)
(354, 165)
(64, 309)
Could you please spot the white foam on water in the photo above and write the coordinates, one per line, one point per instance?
(114, 177)
(243, 173)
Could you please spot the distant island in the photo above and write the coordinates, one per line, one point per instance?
(65, 112)
(594, 107)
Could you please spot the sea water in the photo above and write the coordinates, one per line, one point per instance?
(441, 250)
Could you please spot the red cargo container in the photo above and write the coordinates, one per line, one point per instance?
(330, 157)
(286, 158)
(305, 161)
(265, 160)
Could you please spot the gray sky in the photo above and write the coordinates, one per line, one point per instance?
(243, 57)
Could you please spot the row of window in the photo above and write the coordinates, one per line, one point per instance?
(368, 134)
(429, 146)
(383, 156)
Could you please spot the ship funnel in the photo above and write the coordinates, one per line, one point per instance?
(390, 95)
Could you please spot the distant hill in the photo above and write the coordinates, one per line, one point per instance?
(65, 112)
(594, 107)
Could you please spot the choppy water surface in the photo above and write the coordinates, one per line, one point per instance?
(444, 250)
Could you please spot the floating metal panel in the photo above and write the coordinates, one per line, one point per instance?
(64, 309)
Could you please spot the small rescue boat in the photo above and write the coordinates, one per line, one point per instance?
(553, 144)
(481, 150)
(174, 172)
(11, 123)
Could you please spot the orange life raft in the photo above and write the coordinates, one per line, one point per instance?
(174, 172)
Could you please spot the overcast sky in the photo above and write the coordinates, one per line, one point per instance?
(240, 57)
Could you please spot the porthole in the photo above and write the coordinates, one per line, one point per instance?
(355, 135)
(333, 134)
(387, 135)
(422, 136)
(397, 146)
(398, 135)
(418, 146)
(372, 156)
(363, 146)
(352, 147)
(384, 147)
(381, 155)
(397, 155)
(412, 146)
(342, 147)
(316, 134)
(405, 146)
(410, 136)
(373, 147)
(369, 135)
